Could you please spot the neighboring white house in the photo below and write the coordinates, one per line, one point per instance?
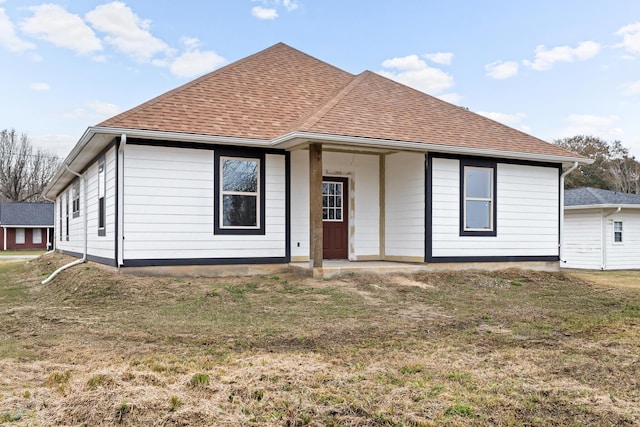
(601, 229)
(280, 157)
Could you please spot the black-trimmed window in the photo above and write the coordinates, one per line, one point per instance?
(60, 216)
(617, 231)
(477, 198)
(239, 192)
(102, 190)
(76, 198)
(67, 197)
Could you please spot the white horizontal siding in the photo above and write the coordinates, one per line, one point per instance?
(404, 205)
(102, 246)
(527, 218)
(582, 235)
(300, 203)
(625, 255)
(97, 246)
(169, 207)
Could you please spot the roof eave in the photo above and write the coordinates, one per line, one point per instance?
(292, 139)
(98, 138)
(602, 206)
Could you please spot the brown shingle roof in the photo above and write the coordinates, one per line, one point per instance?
(282, 90)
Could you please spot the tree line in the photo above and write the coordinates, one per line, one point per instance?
(614, 167)
(25, 171)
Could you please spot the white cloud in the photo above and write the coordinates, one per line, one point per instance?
(40, 86)
(507, 119)
(58, 144)
(632, 88)
(8, 36)
(264, 13)
(414, 72)
(54, 24)
(586, 124)
(443, 58)
(97, 111)
(452, 98)
(290, 4)
(545, 59)
(630, 38)
(270, 9)
(501, 69)
(194, 62)
(127, 32)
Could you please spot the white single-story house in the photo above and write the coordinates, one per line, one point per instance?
(280, 157)
(601, 229)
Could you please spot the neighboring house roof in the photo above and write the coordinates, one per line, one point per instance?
(584, 198)
(27, 214)
(281, 90)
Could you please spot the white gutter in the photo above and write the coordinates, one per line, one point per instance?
(603, 240)
(561, 243)
(603, 206)
(84, 255)
(120, 207)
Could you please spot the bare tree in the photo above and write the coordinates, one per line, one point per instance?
(24, 171)
(614, 167)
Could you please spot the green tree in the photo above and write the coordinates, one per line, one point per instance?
(614, 168)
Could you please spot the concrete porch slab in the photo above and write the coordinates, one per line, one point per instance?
(334, 268)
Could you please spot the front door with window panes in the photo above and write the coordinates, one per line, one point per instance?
(335, 198)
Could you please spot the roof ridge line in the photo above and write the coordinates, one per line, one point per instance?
(315, 116)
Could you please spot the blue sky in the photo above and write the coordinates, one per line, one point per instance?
(550, 68)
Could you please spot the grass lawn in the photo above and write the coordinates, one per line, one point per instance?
(471, 348)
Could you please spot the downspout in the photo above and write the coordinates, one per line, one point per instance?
(567, 172)
(84, 255)
(603, 241)
(53, 246)
(120, 197)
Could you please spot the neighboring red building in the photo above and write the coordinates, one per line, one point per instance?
(25, 226)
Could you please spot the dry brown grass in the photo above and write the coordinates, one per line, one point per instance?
(472, 348)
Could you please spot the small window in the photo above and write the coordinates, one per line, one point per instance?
(76, 199)
(332, 201)
(102, 215)
(19, 236)
(36, 236)
(60, 217)
(617, 231)
(478, 208)
(239, 193)
(67, 216)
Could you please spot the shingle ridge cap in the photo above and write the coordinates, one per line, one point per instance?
(188, 85)
(316, 115)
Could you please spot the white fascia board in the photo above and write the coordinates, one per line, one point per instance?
(97, 138)
(607, 206)
(292, 139)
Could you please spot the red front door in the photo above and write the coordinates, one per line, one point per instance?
(335, 225)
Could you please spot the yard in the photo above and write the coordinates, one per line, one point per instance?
(511, 348)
